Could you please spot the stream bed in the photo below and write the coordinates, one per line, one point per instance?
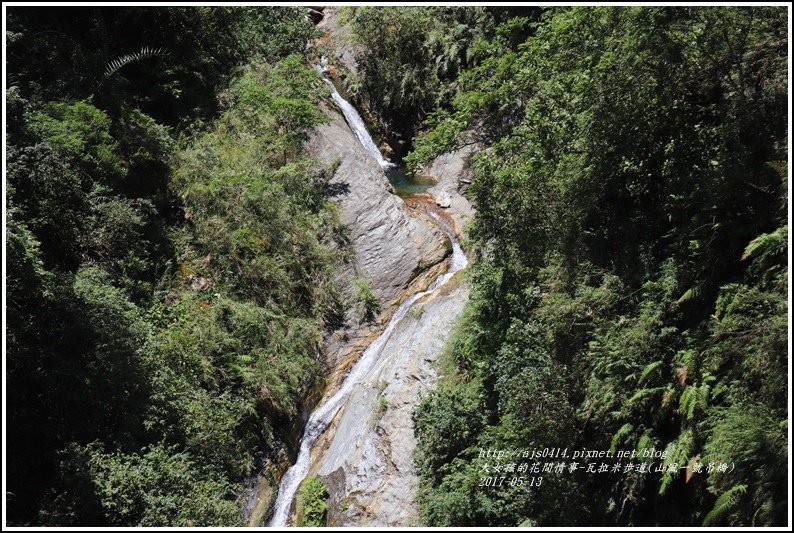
(375, 359)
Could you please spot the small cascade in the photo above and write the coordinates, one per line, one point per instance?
(353, 118)
(325, 413)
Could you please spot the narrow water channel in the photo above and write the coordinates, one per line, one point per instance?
(405, 185)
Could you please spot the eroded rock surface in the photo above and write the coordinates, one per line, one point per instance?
(367, 457)
(337, 40)
(452, 172)
(368, 463)
(391, 245)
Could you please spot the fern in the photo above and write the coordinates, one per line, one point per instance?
(648, 370)
(677, 453)
(724, 504)
(767, 244)
(689, 364)
(688, 402)
(668, 396)
(691, 294)
(645, 443)
(779, 167)
(619, 436)
(314, 504)
(146, 52)
(695, 399)
(643, 394)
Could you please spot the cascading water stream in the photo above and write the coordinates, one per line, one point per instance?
(354, 120)
(324, 414)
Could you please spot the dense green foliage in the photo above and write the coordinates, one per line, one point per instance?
(171, 256)
(312, 504)
(411, 58)
(166, 293)
(630, 284)
(66, 53)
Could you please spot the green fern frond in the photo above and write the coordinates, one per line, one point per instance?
(718, 390)
(668, 396)
(677, 453)
(724, 504)
(645, 443)
(146, 52)
(688, 359)
(687, 402)
(690, 294)
(694, 399)
(767, 243)
(648, 370)
(644, 393)
(619, 436)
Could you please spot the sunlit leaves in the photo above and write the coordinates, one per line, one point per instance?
(623, 179)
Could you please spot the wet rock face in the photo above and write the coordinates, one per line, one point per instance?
(388, 241)
(390, 245)
(337, 40)
(366, 457)
(368, 462)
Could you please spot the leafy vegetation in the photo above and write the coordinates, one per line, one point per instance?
(170, 63)
(171, 256)
(167, 291)
(411, 58)
(313, 503)
(367, 301)
(630, 284)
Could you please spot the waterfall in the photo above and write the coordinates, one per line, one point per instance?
(353, 118)
(324, 414)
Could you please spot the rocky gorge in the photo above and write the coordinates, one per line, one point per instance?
(310, 266)
(399, 247)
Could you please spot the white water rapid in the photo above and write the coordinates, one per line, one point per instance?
(325, 413)
(354, 120)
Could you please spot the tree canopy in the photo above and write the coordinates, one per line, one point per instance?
(631, 273)
(170, 257)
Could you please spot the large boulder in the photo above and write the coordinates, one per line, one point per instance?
(452, 173)
(390, 242)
